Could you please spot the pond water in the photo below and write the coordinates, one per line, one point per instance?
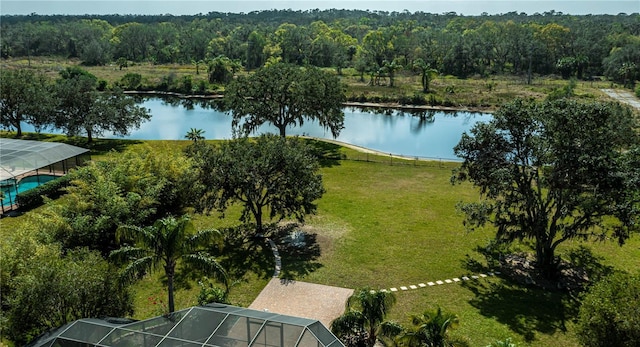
(427, 134)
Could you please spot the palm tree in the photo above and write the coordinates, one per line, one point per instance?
(364, 315)
(390, 69)
(195, 135)
(430, 330)
(164, 243)
(427, 73)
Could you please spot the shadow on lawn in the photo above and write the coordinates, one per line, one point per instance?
(243, 252)
(525, 310)
(525, 307)
(328, 154)
(299, 251)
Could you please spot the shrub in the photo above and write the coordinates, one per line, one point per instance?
(131, 81)
(210, 294)
(638, 90)
(502, 343)
(610, 312)
(187, 85)
(34, 197)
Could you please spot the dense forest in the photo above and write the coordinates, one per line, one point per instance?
(373, 43)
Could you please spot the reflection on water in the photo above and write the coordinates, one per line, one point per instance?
(423, 133)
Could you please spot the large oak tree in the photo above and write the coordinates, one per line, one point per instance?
(553, 171)
(286, 95)
(269, 175)
(82, 108)
(25, 97)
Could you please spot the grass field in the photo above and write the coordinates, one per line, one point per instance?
(482, 93)
(383, 226)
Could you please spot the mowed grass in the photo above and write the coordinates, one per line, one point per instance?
(383, 226)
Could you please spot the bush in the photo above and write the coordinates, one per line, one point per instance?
(34, 197)
(638, 90)
(610, 312)
(210, 294)
(131, 81)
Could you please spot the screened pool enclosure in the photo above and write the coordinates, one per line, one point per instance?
(211, 325)
(20, 159)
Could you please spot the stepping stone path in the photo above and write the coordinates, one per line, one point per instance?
(441, 282)
(276, 273)
(276, 255)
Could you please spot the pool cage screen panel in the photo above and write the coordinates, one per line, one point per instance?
(19, 157)
(213, 325)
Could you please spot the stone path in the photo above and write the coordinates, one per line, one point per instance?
(441, 282)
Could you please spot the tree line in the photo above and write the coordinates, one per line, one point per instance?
(374, 43)
(76, 102)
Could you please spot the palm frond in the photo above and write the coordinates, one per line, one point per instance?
(349, 322)
(134, 234)
(209, 264)
(127, 253)
(137, 269)
(204, 238)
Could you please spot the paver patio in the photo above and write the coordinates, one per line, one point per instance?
(301, 299)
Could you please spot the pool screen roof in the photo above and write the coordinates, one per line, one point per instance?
(211, 325)
(18, 157)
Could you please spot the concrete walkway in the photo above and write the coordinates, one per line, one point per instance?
(624, 97)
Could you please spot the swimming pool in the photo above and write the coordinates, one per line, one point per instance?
(9, 187)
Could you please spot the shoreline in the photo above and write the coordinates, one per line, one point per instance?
(388, 105)
(376, 152)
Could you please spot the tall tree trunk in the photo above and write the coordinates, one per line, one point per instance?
(545, 260)
(258, 216)
(283, 130)
(170, 271)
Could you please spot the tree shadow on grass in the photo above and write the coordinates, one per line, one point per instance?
(526, 311)
(328, 154)
(298, 250)
(524, 306)
(243, 252)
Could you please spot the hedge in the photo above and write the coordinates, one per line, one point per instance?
(34, 197)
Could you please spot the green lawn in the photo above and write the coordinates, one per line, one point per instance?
(383, 226)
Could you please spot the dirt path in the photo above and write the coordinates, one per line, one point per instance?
(624, 97)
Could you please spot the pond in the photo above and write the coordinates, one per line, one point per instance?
(427, 134)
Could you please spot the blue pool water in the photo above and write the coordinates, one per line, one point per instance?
(30, 182)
